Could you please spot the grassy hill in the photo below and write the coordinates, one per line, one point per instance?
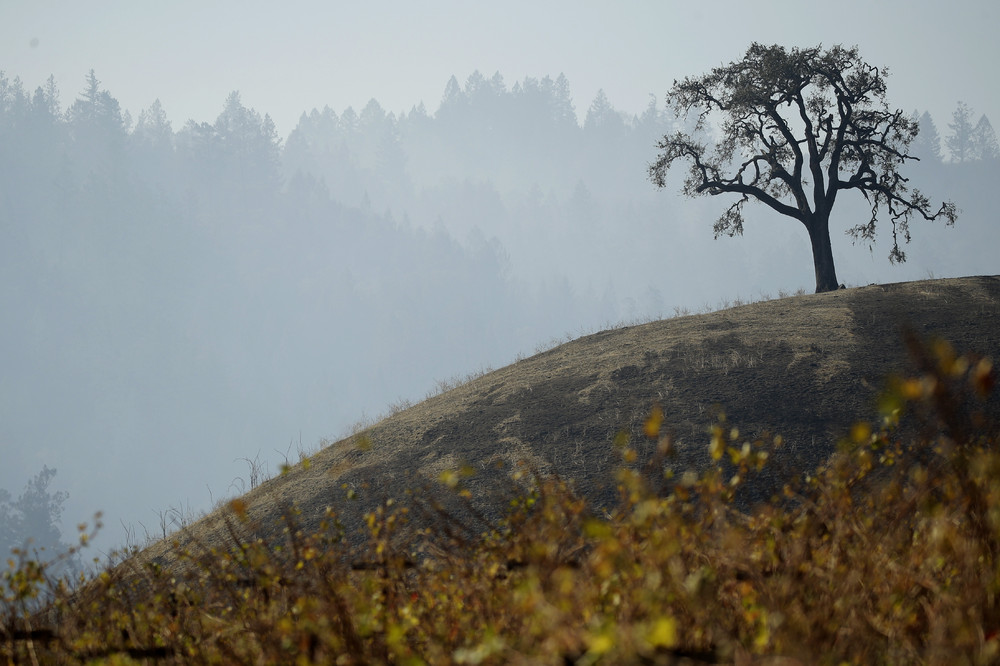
(631, 539)
(805, 368)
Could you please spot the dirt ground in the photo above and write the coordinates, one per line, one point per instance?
(804, 367)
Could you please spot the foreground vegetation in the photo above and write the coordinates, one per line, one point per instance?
(887, 554)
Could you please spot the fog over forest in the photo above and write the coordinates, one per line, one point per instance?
(182, 297)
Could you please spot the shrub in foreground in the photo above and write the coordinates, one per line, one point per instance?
(886, 554)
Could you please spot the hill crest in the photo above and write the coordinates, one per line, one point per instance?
(803, 367)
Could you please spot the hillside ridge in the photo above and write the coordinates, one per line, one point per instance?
(803, 367)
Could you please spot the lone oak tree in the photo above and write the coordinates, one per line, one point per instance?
(797, 127)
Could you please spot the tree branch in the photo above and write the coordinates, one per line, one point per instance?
(784, 107)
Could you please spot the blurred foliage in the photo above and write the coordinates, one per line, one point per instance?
(886, 554)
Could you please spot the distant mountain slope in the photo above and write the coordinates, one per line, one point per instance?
(806, 367)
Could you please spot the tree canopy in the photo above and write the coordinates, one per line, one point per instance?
(798, 126)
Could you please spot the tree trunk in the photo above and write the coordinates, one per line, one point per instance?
(819, 237)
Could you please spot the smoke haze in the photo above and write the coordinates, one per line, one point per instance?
(217, 254)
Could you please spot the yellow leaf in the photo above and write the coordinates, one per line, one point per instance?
(861, 432)
(597, 529)
(663, 633)
(450, 478)
(912, 389)
(602, 643)
(718, 444)
(654, 422)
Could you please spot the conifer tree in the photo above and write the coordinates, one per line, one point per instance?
(927, 144)
(960, 141)
(984, 140)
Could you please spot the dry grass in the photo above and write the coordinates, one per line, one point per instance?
(805, 366)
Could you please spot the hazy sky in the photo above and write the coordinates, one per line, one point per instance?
(289, 57)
